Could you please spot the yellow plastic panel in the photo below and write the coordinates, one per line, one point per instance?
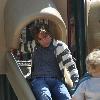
(18, 13)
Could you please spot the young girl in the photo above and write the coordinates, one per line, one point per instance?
(90, 88)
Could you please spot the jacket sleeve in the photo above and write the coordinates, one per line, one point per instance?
(65, 59)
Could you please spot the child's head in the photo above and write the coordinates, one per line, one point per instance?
(93, 62)
(43, 37)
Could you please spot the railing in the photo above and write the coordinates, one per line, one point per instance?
(24, 63)
(17, 80)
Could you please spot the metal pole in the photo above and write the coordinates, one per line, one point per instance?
(80, 36)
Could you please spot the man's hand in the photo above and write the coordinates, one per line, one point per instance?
(67, 78)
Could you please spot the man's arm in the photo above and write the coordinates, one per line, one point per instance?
(65, 59)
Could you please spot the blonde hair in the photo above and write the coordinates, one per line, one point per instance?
(93, 59)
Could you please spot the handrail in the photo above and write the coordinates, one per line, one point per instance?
(17, 80)
(24, 63)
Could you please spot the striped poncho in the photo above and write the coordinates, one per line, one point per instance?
(64, 59)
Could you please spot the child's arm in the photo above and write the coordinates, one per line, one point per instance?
(79, 94)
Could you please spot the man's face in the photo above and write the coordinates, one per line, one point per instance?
(44, 39)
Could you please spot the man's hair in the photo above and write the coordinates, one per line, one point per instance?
(93, 59)
(41, 30)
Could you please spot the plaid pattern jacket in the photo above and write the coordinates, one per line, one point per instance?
(64, 59)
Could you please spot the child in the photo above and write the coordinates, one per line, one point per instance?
(90, 88)
(49, 59)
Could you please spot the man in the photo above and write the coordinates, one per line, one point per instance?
(50, 58)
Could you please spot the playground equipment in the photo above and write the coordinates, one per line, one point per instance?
(17, 14)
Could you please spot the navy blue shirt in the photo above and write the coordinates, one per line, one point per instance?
(45, 62)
